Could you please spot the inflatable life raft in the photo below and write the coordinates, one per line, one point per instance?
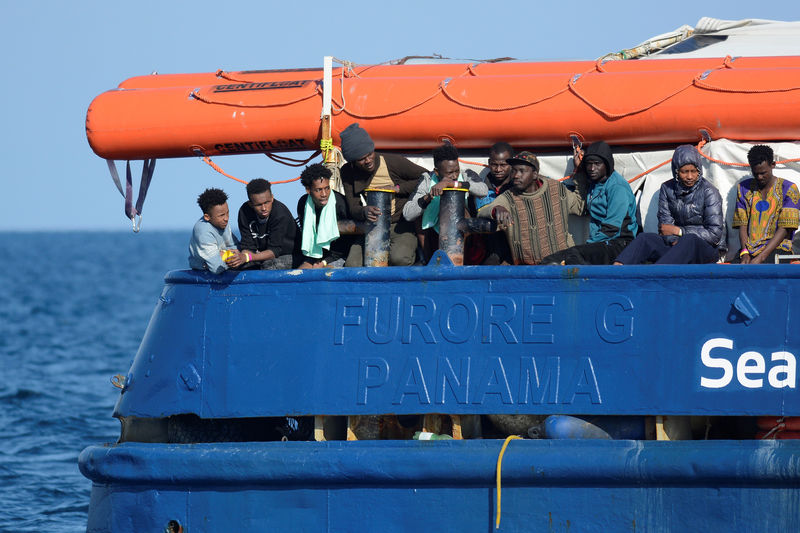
(416, 107)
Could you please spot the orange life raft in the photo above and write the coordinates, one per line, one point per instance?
(415, 107)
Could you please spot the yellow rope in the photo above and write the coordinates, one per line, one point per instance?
(499, 474)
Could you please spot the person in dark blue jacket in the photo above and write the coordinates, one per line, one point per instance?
(611, 207)
(691, 229)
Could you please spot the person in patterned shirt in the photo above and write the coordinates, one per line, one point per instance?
(767, 210)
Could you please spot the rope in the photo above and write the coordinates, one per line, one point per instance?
(213, 165)
(649, 170)
(216, 167)
(706, 85)
(289, 161)
(390, 113)
(609, 114)
(440, 89)
(719, 161)
(466, 162)
(780, 425)
(500, 108)
(349, 66)
(696, 81)
(499, 475)
(225, 76)
(284, 181)
(196, 95)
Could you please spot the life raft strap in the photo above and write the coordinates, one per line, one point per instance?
(134, 213)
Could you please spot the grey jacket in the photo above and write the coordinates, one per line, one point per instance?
(414, 207)
(697, 210)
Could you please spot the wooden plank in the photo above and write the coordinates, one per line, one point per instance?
(456, 427)
(319, 428)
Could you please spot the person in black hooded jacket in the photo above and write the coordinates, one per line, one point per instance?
(691, 229)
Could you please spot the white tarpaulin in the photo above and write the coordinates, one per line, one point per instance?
(719, 38)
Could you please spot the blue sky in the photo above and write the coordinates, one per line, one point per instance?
(60, 55)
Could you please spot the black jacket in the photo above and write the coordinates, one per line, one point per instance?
(697, 210)
(403, 173)
(277, 233)
(341, 246)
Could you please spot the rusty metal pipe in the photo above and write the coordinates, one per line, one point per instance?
(454, 227)
(451, 224)
(376, 241)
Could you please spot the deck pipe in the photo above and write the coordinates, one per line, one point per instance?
(454, 227)
(376, 241)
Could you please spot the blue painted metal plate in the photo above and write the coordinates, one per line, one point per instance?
(390, 486)
(703, 339)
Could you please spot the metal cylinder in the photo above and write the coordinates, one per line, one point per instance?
(451, 224)
(376, 241)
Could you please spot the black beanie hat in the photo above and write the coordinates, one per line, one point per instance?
(356, 142)
(603, 151)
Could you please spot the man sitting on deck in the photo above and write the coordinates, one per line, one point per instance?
(691, 228)
(319, 211)
(491, 249)
(424, 203)
(611, 207)
(268, 229)
(766, 210)
(367, 169)
(534, 212)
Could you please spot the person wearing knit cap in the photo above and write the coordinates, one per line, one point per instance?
(365, 169)
(691, 229)
(611, 207)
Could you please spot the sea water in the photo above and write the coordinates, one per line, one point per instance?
(73, 308)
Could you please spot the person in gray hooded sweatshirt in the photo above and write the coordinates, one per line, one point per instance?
(691, 229)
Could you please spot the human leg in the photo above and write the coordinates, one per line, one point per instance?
(645, 247)
(355, 257)
(689, 250)
(402, 244)
(282, 262)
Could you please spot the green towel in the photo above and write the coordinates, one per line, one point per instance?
(430, 217)
(316, 237)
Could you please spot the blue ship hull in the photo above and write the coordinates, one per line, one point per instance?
(694, 340)
(392, 486)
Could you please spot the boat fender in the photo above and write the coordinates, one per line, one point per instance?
(593, 427)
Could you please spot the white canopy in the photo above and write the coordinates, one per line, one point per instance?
(719, 38)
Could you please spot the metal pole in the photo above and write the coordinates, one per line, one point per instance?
(376, 241)
(451, 224)
(454, 227)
